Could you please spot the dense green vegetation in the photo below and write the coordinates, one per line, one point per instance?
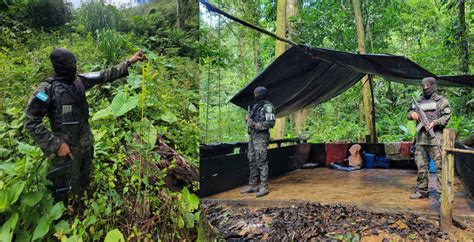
(122, 201)
(426, 31)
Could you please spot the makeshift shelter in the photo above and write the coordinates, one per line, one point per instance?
(305, 76)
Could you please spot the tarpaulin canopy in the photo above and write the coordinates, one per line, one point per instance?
(305, 76)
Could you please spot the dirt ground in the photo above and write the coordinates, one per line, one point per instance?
(373, 189)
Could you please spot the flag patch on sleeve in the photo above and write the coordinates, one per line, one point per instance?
(42, 96)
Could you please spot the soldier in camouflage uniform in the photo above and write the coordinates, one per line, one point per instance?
(261, 119)
(64, 96)
(438, 112)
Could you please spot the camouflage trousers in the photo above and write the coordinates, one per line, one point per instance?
(62, 178)
(257, 155)
(423, 153)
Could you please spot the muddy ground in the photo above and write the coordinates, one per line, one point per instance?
(309, 221)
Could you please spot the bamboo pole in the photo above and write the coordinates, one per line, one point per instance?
(447, 180)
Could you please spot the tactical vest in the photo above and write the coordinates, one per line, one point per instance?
(430, 107)
(256, 112)
(70, 97)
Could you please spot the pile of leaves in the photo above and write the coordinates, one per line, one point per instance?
(313, 220)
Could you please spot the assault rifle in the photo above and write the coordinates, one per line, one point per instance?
(424, 122)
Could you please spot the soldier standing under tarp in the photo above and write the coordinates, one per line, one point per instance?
(260, 119)
(70, 142)
(438, 112)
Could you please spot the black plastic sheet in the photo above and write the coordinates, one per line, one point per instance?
(305, 76)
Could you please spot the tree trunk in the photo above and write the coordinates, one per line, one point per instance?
(464, 45)
(208, 101)
(178, 14)
(219, 123)
(278, 131)
(255, 41)
(300, 116)
(256, 53)
(366, 107)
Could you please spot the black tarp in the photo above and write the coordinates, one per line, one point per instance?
(305, 76)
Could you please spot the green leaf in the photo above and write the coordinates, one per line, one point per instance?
(57, 211)
(90, 220)
(122, 104)
(32, 198)
(149, 135)
(74, 238)
(15, 190)
(403, 128)
(63, 227)
(192, 108)
(8, 228)
(3, 200)
(189, 218)
(114, 236)
(411, 126)
(193, 202)
(8, 168)
(4, 152)
(42, 228)
(27, 149)
(197, 216)
(103, 113)
(169, 117)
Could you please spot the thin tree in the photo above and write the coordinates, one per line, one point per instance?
(278, 131)
(463, 44)
(367, 109)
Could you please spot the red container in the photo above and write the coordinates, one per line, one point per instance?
(336, 152)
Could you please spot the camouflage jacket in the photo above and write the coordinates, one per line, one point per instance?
(263, 116)
(437, 110)
(51, 94)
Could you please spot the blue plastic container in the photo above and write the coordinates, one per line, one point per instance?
(382, 162)
(432, 166)
(369, 160)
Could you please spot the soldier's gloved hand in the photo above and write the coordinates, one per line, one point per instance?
(246, 118)
(64, 150)
(136, 57)
(414, 115)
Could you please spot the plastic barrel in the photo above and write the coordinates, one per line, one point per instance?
(369, 160)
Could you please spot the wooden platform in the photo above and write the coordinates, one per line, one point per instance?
(384, 190)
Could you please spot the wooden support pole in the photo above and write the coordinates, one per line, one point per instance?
(460, 151)
(447, 180)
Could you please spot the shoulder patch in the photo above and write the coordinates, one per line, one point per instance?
(42, 96)
(268, 108)
(92, 75)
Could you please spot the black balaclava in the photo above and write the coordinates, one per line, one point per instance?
(431, 86)
(64, 64)
(260, 93)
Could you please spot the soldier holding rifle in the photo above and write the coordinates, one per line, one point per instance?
(432, 113)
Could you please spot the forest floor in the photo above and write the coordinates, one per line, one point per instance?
(370, 204)
(308, 221)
